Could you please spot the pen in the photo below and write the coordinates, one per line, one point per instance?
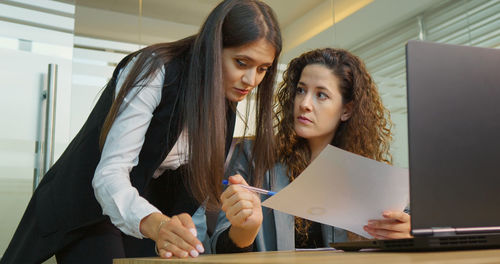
(251, 188)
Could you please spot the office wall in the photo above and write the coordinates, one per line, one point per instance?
(33, 34)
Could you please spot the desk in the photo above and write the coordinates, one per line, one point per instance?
(443, 257)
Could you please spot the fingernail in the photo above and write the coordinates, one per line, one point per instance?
(194, 253)
(386, 213)
(371, 223)
(193, 231)
(200, 248)
(168, 254)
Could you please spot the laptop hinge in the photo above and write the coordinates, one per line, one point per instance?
(434, 231)
(450, 231)
(443, 231)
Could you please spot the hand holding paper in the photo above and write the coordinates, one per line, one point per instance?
(345, 190)
(393, 225)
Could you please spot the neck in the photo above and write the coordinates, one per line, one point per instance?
(316, 145)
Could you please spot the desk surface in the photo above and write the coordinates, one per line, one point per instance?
(446, 257)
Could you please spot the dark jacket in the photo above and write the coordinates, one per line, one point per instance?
(64, 202)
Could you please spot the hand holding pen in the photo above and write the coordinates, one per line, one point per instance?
(243, 210)
(251, 188)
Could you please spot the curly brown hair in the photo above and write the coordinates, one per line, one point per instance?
(367, 132)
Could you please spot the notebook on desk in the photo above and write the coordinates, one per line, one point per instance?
(454, 149)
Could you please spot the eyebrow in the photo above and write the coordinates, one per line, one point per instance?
(252, 60)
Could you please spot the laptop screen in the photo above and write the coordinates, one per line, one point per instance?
(453, 135)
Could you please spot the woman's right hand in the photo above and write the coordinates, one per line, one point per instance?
(175, 236)
(243, 210)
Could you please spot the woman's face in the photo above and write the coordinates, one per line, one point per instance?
(318, 107)
(244, 67)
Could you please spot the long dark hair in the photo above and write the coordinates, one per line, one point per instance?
(203, 106)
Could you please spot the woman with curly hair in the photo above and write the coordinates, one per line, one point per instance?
(326, 97)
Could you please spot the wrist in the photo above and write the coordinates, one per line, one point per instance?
(151, 224)
(242, 237)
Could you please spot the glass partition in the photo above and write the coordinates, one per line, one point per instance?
(33, 34)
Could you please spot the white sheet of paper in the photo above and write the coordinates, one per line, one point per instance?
(345, 190)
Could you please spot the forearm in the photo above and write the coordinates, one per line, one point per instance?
(122, 203)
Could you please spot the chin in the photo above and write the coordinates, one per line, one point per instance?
(303, 135)
(300, 132)
(236, 98)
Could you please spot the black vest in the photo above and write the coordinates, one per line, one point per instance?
(65, 201)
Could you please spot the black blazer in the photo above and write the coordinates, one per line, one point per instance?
(64, 201)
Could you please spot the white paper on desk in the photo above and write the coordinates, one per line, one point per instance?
(345, 190)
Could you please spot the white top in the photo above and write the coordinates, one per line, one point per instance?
(112, 187)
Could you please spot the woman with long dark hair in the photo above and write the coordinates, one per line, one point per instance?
(150, 157)
(327, 97)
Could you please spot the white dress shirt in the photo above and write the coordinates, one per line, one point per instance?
(112, 187)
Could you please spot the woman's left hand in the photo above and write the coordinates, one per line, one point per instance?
(394, 225)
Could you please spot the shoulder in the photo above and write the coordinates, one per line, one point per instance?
(143, 64)
(245, 145)
(243, 150)
(280, 169)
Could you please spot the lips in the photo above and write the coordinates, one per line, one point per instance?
(242, 91)
(304, 120)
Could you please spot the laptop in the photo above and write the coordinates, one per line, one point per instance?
(454, 149)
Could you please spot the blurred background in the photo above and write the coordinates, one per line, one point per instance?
(57, 55)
